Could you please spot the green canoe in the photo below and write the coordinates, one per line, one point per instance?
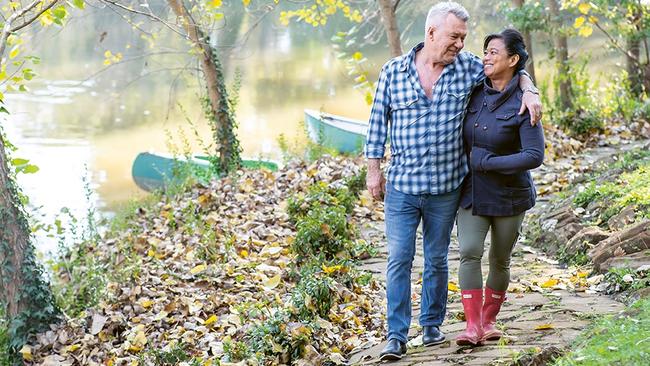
(154, 171)
(343, 134)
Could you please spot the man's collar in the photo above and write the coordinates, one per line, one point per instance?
(410, 57)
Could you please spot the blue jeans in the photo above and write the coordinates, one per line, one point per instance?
(403, 213)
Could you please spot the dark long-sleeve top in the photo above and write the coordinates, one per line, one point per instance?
(501, 146)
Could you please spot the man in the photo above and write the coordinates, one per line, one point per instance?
(424, 95)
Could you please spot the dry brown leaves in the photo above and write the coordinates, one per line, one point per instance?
(206, 256)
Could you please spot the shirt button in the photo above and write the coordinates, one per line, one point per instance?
(484, 103)
(475, 124)
(484, 128)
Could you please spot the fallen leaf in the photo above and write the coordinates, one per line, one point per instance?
(26, 351)
(544, 327)
(198, 269)
(211, 320)
(272, 282)
(550, 283)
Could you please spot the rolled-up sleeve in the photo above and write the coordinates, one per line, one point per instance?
(379, 117)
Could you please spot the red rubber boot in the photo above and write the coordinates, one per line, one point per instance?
(491, 307)
(472, 303)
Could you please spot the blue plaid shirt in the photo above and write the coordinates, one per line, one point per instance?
(426, 139)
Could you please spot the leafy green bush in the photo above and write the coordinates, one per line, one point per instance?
(312, 296)
(235, 350)
(279, 337)
(324, 230)
(320, 194)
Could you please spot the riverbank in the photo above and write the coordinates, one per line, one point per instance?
(212, 275)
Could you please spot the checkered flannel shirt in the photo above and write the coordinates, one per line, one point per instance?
(426, 139)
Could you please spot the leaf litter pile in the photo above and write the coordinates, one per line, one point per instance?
(260, 269)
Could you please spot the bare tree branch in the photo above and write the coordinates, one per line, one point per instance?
(150, 15)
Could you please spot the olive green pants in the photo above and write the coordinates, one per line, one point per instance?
(472, 231)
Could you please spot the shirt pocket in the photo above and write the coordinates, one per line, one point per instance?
(404, 100)
(507, 122)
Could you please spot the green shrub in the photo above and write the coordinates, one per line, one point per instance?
(320, 194)
(279, 337)
(235, 351)
(313, 296)
(324, 230)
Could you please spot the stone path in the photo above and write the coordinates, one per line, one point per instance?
(521, 314)
(565, 313)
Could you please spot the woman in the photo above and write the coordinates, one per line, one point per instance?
(501, 146)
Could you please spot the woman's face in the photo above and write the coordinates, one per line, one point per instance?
(496, 61)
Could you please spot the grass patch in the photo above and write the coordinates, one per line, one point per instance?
(614, 340)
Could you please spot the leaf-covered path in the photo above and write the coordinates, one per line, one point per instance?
(544, 310)
(547, 307)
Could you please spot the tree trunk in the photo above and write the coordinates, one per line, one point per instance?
(634, 72)
(561, 57)
(387, 9)
(530, 67)
(219, 112)
(26, 298)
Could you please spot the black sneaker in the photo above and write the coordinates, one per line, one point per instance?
(394, 350)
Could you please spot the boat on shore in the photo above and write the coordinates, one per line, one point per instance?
(151, 171)
(346, 135)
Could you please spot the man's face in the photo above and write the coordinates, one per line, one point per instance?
(448, 39)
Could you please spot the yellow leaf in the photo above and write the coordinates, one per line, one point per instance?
(550, 283)
(26, 351)
(584, 8)
(357, 56)
(72, 347)
(210, 320)
(544, 327)
(593, 19)
(332, 269)
(146, 303)
(585, 31)
(198, 269)
(151, 253)
(579, 22)
(215, 3)
(452, 287)
(243, 253)
(14, 52)
(272, 282)
(583, 274)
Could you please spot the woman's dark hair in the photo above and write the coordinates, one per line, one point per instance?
(514, 43)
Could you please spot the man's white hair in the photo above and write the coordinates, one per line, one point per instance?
(438, 13)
